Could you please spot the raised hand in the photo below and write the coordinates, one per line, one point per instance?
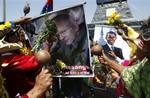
(42, 84)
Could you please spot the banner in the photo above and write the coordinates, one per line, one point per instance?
(70, 54)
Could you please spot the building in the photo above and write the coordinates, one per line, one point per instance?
(121, 6)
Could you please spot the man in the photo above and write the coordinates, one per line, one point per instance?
(72, 46)
(109, 46)
(72, 49)
(42, 83)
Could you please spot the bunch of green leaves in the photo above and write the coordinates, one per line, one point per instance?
(48, 31)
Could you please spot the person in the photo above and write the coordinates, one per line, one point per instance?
(136, 77)
(109, 46)
(115, 53)
(72, 49)
(42, 84)
(21, 69)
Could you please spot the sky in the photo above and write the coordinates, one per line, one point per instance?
(14, 8)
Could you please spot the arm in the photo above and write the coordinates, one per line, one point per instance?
(112, 64)
(42, 83)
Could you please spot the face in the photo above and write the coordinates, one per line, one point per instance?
(111, 38)
(66, 33)
(13, 38)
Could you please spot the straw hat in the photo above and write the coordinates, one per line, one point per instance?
(5, 46)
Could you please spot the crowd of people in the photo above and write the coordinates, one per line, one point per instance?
(27, 77)
(26, 68)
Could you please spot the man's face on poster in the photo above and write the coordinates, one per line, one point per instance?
(111, 38)
(65, 32)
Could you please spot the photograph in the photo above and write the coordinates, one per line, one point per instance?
(66, 32)
(107, 37)
(74, 49)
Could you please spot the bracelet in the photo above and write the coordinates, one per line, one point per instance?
(21, 96)
(24, 96)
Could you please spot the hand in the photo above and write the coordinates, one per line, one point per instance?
(112, 64)
(103, 58)
(111, 53)
(43, 80)
(42, 83)
(96, 50)
(139, 43)
(47, 45)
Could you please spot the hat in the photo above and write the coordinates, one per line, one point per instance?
(5, 46)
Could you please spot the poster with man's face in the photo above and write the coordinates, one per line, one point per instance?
(67, 34)
(107, 37)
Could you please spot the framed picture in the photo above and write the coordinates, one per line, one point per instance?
(70, 54)
(107, 37)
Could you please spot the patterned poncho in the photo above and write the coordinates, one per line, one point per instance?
(137, 79)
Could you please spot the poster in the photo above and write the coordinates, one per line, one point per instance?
(100, 36)
(70, 54)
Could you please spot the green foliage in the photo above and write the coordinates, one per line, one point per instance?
(3, 91)
(49, 31)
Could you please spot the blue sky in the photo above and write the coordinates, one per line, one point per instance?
(139, 8)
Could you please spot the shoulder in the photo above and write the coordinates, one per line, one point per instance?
(106, 45)
(117, 48)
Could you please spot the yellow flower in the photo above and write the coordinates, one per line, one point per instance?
(117, 17)
(114, 16)
(110, 20)
(8, 24)
(2, 27)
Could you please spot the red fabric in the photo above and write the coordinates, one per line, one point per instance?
(49, 2)
(20, 73)
(24, 96)
(21, 62)
(121, 90)
(126, 62)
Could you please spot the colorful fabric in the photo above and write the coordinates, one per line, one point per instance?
(126, 63)
(121, 90)
(133, 35)
(137, 79)
(47, 7)
(20, 73)
(21, 62)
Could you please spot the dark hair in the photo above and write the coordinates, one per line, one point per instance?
(9, 32)
(62, 16)
(111, 32)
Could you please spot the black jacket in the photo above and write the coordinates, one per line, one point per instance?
(116, 50)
